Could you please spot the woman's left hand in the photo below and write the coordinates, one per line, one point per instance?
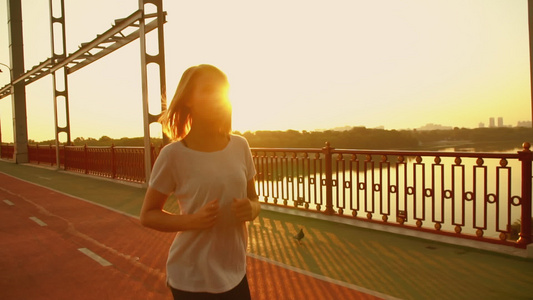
(242, 209)
(247, 209)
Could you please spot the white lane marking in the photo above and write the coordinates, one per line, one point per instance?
(8, 202)
(95, 257)
(38, 221)
(73, 196)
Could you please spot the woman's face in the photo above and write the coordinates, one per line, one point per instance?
(209, 101)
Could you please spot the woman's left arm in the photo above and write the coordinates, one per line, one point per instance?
(247, 209)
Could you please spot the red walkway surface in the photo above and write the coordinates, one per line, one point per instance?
(45, 237)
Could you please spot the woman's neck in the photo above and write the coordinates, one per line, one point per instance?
(206, 140)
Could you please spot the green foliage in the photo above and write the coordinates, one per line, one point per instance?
(380, 139)
(481, 139)
(105, 141)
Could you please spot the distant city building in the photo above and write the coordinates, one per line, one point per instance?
(481, 125)
(343, 128)
(500, 122)
(524, 124)
(431, 126)
(491, 122)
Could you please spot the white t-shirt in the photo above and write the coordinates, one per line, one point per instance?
(211, 260)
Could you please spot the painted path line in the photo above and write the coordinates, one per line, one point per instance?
(95, 257)
(8, 202)
(38, 221)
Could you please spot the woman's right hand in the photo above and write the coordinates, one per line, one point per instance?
(154, 216)
(206, 216)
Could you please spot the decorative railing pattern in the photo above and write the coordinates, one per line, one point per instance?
(472, 195)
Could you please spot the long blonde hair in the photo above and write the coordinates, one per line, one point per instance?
(177, 119)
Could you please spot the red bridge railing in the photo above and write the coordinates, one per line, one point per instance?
(7, 151)
(121, 163)
(473, 195)
(480, 196)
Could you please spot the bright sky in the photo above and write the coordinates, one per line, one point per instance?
(295, 64)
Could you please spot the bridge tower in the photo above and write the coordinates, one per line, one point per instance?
(61, 64)
(17, 90)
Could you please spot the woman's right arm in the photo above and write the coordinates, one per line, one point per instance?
(154, 216)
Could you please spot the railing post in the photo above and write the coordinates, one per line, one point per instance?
(152, 155)
(525, 156)
(50, 155)
(329, 178)
(64, 156)
(113, 162)
(35, 155)
(85, 159)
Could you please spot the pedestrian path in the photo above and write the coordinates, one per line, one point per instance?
(334, 261)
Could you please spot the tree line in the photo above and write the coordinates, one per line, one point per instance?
(480, 139)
